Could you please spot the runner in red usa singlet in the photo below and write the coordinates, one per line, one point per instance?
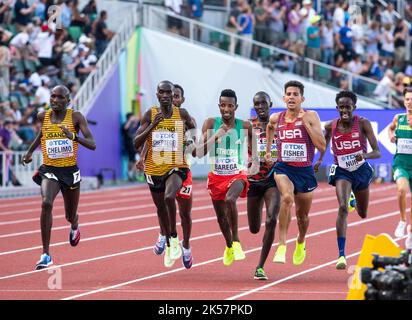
(351, 171)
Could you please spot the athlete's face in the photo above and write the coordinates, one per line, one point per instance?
(262, 104)
(178, 98)
(227, 107)
(407, 100)
(345, 108)
(59, 99)
(293, 98)
(165, 94)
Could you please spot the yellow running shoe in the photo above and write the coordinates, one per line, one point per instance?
(280, 255)
(341, 264)
(175, 249)
(167, 260)
(351, 202)
(300, 253)
(228, 256)
(237, 251)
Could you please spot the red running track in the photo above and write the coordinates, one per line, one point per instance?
(114, 259)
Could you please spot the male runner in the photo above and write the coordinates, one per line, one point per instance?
(298, 133)
(59, 138)
(163, 129)
(350, 171)
(224, 140)
(262, 188)
(400, 132)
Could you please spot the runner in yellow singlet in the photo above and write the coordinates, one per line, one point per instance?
(59, 139)
(163, 129)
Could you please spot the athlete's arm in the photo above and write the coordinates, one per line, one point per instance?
(190, 126)
(313, 126)
(146, 127)
(143, 154)
(205, 144)
(270, 133)
(87, 140)
(328, 136)
(366, 127)
(252, 148)
(392, 127)
(27, 157)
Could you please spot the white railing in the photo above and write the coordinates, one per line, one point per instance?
(82, 100)
(156, 19)
(11, 166)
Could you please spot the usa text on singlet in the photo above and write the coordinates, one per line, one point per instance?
(345, 146)
(227, 154)
(57, 149)
(166, 144)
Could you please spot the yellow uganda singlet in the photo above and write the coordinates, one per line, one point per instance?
(165, 145)
(57, 149)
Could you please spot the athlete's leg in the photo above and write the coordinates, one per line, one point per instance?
(362, 202)
(254, 213)
(343, 189)
(232, 195)
(285, 187)
(272, 201)
(173, 185)
(185, 210)
(402, 185)
(49, 190)
(303, 202)
(162, 215)
(71, 202)
(222, 219)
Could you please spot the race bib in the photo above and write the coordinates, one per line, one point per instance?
(332, 170)
(404, 146)
(294, 152)
(349, 162)
(165, 141)
(262, 151)
(76, 177)
(59, 148)
(226, 166)
(186, 190)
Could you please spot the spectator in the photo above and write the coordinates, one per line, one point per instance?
(261, 34)
(6, 134)
(327, 43)
(387, 45)
(129, 129)
(43, 44)
(358, 31)
(388, 16)
(69, 62)
(174, 24)
(313, 35)
(400, 35)
(339, 16)
(22, 13)
(102, 34)
(372, 39)
(294, 23)
(232, 23)
(276, 26)
(42, 95)
(245, 22)
(384, 86)
(40, 11)
(344, 41)
(5, 63)
(196, 13)
(306, 15)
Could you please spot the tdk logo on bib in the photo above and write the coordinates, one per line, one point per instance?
(290, 134)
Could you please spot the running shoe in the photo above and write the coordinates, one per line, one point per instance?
(187, 258)
(400, 229)
(160, 245)
(408, 241)
(237, 251)
(341, 264)
(44, 262)
(167, 260)
(74, 237)
(280, 255)
(300, 253)
(228, 256)
(175, 249)
(260, 274)
(351, 202)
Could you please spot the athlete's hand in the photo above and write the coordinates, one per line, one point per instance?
(140, 164)
(159, 117)
(27, 158)
(268, 158)
(223, 129)
(254, 168)
(66, 131)
(359, 157)
(317, 165)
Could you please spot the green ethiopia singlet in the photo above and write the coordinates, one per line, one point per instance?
(403, 133)
(227, 154)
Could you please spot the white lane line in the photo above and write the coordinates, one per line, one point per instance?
(220, 258)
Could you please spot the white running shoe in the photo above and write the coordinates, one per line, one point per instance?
(408, 241)
(175, 249)
(400, 229)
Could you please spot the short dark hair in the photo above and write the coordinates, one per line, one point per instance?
(294, 83)
(264, 94)
(407, 90)
(228, 93)
(346, 94)
(178, 86)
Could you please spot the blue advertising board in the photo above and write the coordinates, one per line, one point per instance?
(380, 121)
